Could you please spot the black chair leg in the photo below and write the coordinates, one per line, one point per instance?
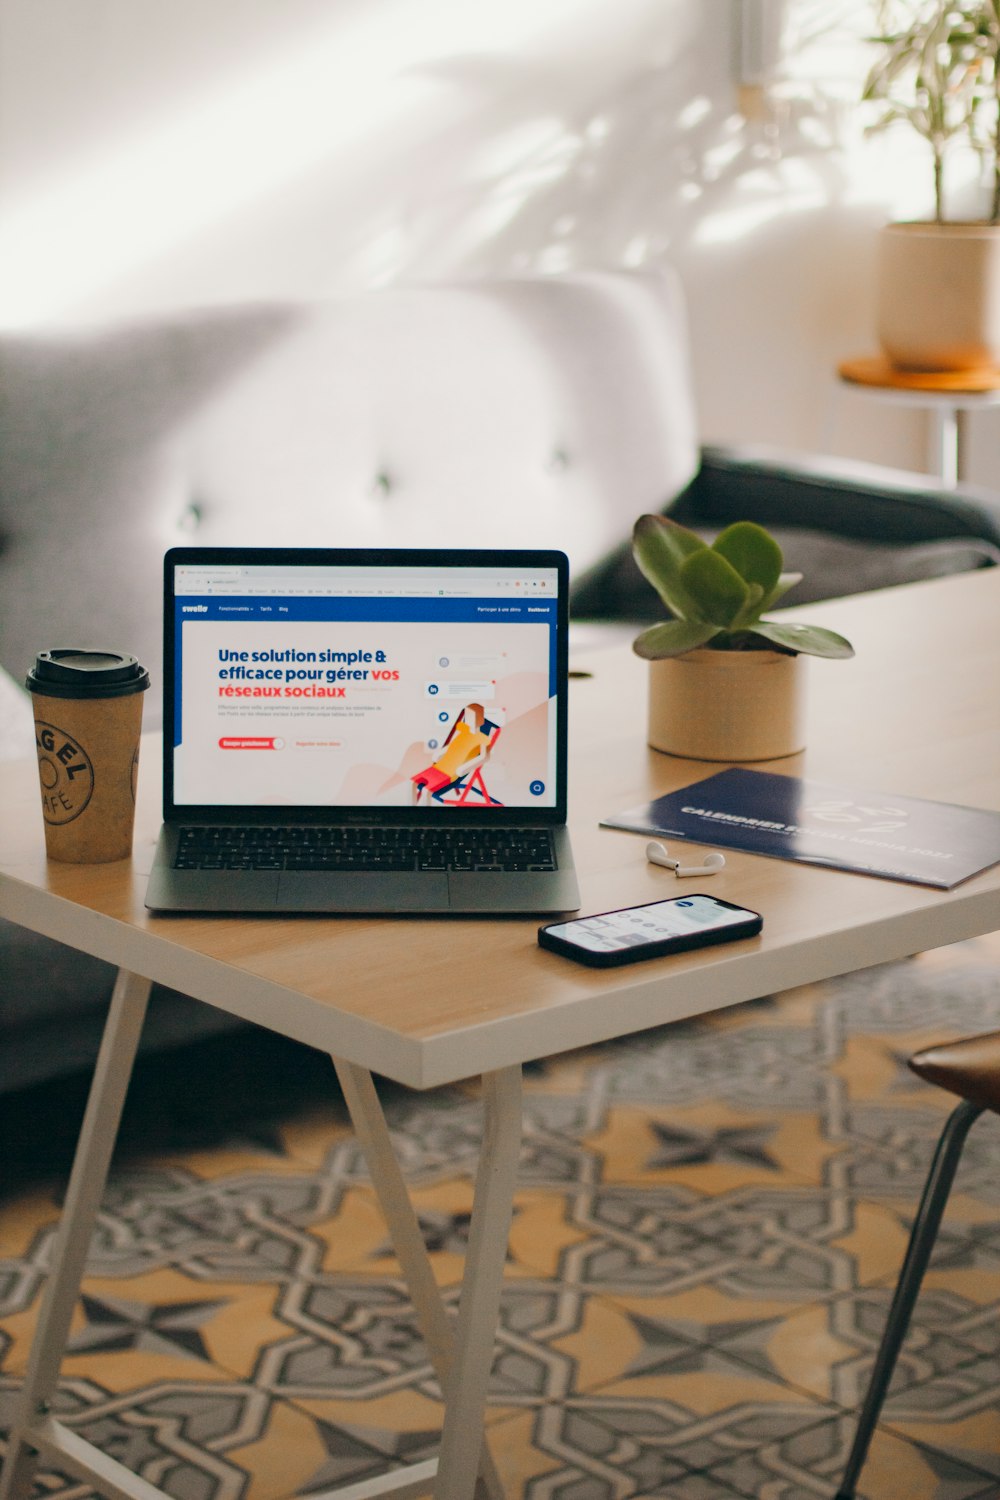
(918, 1253)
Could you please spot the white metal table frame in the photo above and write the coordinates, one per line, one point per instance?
(461, 1355)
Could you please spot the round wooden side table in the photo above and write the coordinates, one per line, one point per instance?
(947, 394)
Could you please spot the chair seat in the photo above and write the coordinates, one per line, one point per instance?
(969, 1068)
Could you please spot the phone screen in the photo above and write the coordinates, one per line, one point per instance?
(638, 926)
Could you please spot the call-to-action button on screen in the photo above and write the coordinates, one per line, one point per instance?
(250, 742)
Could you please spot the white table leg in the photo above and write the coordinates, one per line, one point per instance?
(83, 1197)
(462, 1357)
(946, 443)
(465, 1389)
(439, 1334)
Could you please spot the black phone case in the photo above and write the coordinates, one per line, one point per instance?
(661, 949)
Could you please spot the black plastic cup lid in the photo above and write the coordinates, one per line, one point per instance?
(77, 672)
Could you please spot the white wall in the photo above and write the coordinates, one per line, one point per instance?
(161, 152)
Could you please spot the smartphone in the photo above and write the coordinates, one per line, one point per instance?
(650, 931)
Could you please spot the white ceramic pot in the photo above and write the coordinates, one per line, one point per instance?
(938, 295)
(728, 705)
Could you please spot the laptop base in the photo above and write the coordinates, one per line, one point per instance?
(414, 893)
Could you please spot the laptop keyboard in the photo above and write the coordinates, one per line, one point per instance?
(365, 849)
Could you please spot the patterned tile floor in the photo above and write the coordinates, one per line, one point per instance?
(708, 1225)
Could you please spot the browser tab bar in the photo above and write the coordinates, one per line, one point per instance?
(367, 582)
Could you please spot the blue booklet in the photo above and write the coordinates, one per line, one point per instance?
(874, 833)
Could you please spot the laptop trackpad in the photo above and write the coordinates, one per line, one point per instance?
(362, 892)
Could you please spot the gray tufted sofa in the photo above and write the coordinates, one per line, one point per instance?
(547, 412)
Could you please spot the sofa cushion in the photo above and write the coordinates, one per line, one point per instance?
(830, 566)
(834, 566)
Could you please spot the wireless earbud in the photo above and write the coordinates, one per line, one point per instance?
(657, 855)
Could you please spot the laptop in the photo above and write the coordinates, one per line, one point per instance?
(364, 731)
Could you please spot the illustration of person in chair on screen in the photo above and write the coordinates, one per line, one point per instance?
(456, 777)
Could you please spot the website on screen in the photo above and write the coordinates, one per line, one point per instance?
(365, 687)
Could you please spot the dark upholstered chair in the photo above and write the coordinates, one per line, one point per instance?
(846, 527)
(970, 1069)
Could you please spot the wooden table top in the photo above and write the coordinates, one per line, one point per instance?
(428, 1001)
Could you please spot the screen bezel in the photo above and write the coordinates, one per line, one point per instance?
(362, 557)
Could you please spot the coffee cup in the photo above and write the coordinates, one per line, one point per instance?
(88, 717)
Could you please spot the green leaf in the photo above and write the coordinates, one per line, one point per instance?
(785, 582)
(753, 608)
(661, 547)
(812, 640)
(673, 638)
(752, 551)
(715, 584)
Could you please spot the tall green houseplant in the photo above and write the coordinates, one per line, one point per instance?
(938, 72)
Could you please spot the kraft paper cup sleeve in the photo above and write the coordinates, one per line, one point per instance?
(88, 719)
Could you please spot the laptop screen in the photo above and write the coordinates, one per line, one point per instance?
(393, 684)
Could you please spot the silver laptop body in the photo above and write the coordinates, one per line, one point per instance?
(364, 731)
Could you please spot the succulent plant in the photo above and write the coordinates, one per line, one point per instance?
(717, 594)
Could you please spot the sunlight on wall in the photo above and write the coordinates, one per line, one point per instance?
(785, 191)
(304, 149)
(804, 137)
(429, 140)
(177, 176)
